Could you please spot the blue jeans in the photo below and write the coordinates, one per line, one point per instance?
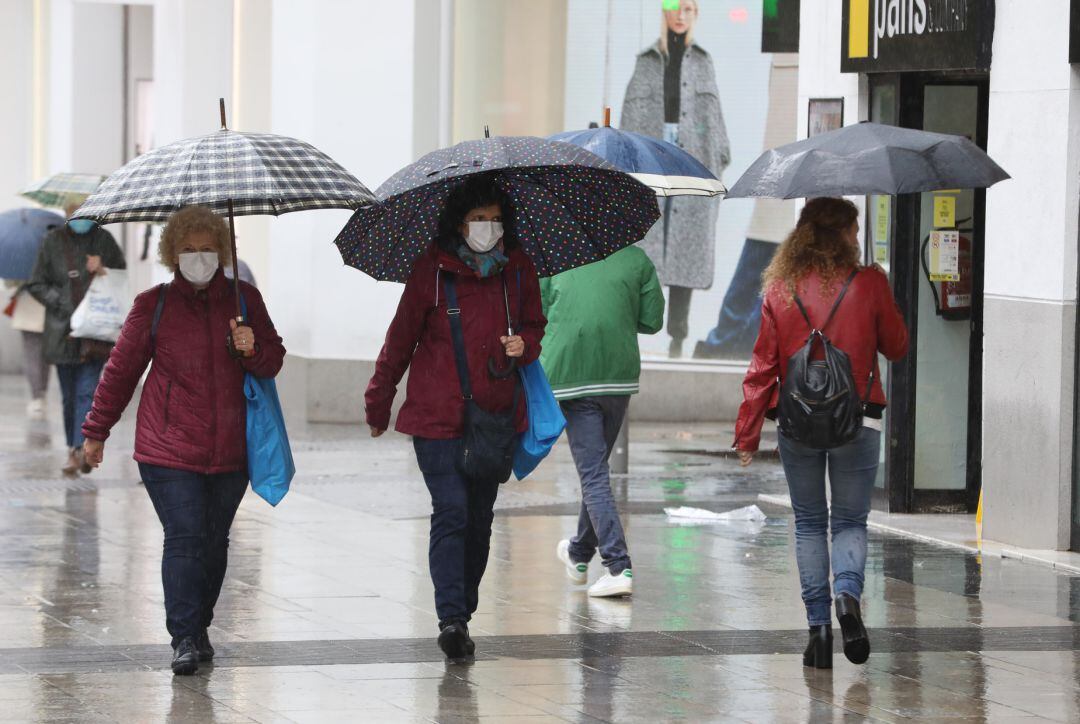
(196, 512)
(736, 328)
(852, 470)
(592, 425)
(462, 512)
(77, 386)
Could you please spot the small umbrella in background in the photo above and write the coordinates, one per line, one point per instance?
(21, 234)
(232, 173)
(664, 167)
(63, 189)
(569, 206)
(868, 158)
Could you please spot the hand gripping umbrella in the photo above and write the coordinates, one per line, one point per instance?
(868, 158)
(238, 174)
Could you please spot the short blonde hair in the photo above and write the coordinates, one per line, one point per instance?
(689, 31)
(190, 220)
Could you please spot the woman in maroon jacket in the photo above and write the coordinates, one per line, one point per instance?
(190, 436)
(814, 261)
(483, 262)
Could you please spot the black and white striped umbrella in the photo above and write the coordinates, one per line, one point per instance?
(258, 173)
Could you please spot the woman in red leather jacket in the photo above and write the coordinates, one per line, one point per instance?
(813, 262)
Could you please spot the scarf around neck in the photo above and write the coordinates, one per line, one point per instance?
(483, 265)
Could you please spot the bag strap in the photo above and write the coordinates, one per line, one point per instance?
(162, 288)
(453, 312)
(73, 273)
(835, 306)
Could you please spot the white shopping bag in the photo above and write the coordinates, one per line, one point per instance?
(101, 313)
(29, 314)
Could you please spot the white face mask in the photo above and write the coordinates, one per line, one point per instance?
(484, 235)
(198, 267)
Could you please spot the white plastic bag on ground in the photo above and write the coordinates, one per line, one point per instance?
(749, 513)
(101, 313)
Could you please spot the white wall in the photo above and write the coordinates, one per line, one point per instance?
(16, 76)
(345, 86)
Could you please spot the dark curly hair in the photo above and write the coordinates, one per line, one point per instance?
(475, 192)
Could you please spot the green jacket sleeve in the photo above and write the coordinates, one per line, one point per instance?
(651, 312)
(547, 293)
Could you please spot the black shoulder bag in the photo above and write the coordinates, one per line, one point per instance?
(488, 439)
(819, 404)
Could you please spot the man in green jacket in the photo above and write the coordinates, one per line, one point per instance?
(591, 357)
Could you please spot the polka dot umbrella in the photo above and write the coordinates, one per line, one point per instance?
(570, 207)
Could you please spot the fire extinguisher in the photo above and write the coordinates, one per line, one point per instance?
(952, 300)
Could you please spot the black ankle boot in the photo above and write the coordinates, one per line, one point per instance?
(454, 640)
(185, 657)
(856, 640)
(819, 650)
(203, 646)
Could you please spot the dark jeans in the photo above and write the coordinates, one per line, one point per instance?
(852, 469)
(461, 517)
(196, 512)
(736, 328)
(592, 425)
(77, 386)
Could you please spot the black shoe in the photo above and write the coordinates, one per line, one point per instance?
(856, 641)
(470, 645)
(185, 657)
(205, 649)
(454, 640)
(818, 652)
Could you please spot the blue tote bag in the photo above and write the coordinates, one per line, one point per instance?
(546, 421)
(270, 460)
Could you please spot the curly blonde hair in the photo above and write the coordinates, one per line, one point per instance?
(817, 243)
(191, 220)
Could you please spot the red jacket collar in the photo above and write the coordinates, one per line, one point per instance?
(448, 262)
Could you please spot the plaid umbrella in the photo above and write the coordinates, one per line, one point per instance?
(63, 189)
(258, 173)
(232, 173)
(569, 206)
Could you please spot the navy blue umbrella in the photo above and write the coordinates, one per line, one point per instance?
(664, 167)
(21, 233)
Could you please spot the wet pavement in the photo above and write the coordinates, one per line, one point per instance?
(326, 614)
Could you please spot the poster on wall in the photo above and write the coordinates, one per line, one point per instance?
(693, 72)
(824, 115)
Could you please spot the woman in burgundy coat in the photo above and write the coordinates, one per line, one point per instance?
(190, 435)
(473, 248)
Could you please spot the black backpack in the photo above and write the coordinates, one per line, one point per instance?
(819, 404)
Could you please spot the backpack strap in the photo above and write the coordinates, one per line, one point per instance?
(157, 317)
(835, 306)
(453, 312)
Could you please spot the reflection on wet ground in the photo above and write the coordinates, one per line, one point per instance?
(327, 612)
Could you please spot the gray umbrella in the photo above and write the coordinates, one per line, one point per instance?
(868, 158)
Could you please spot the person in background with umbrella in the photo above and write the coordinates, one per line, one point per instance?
(811, 266)
(70, 257)
(190, 439)
(673, 95)
(494, 280)
(21, 234)
(591, 357)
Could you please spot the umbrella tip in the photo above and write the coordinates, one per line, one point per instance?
(487, 131)
(607, 116)
(221, 108)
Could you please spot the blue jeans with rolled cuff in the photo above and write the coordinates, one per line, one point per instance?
(462, 512)
(852, 469)
(78, 383)
(196, 512)
(592, 426)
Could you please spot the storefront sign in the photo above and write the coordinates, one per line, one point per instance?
(824, 115)
(900, 35)
(944, 256)
(944, 212)
(780, 26)
(882, 208)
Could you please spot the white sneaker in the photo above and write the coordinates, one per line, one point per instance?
(576, 572)
(609, 585)
(35, 409)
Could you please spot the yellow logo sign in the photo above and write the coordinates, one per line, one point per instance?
(858, 28)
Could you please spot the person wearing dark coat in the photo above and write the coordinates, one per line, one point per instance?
(190, 435)
(70, 257)
(492, 278)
